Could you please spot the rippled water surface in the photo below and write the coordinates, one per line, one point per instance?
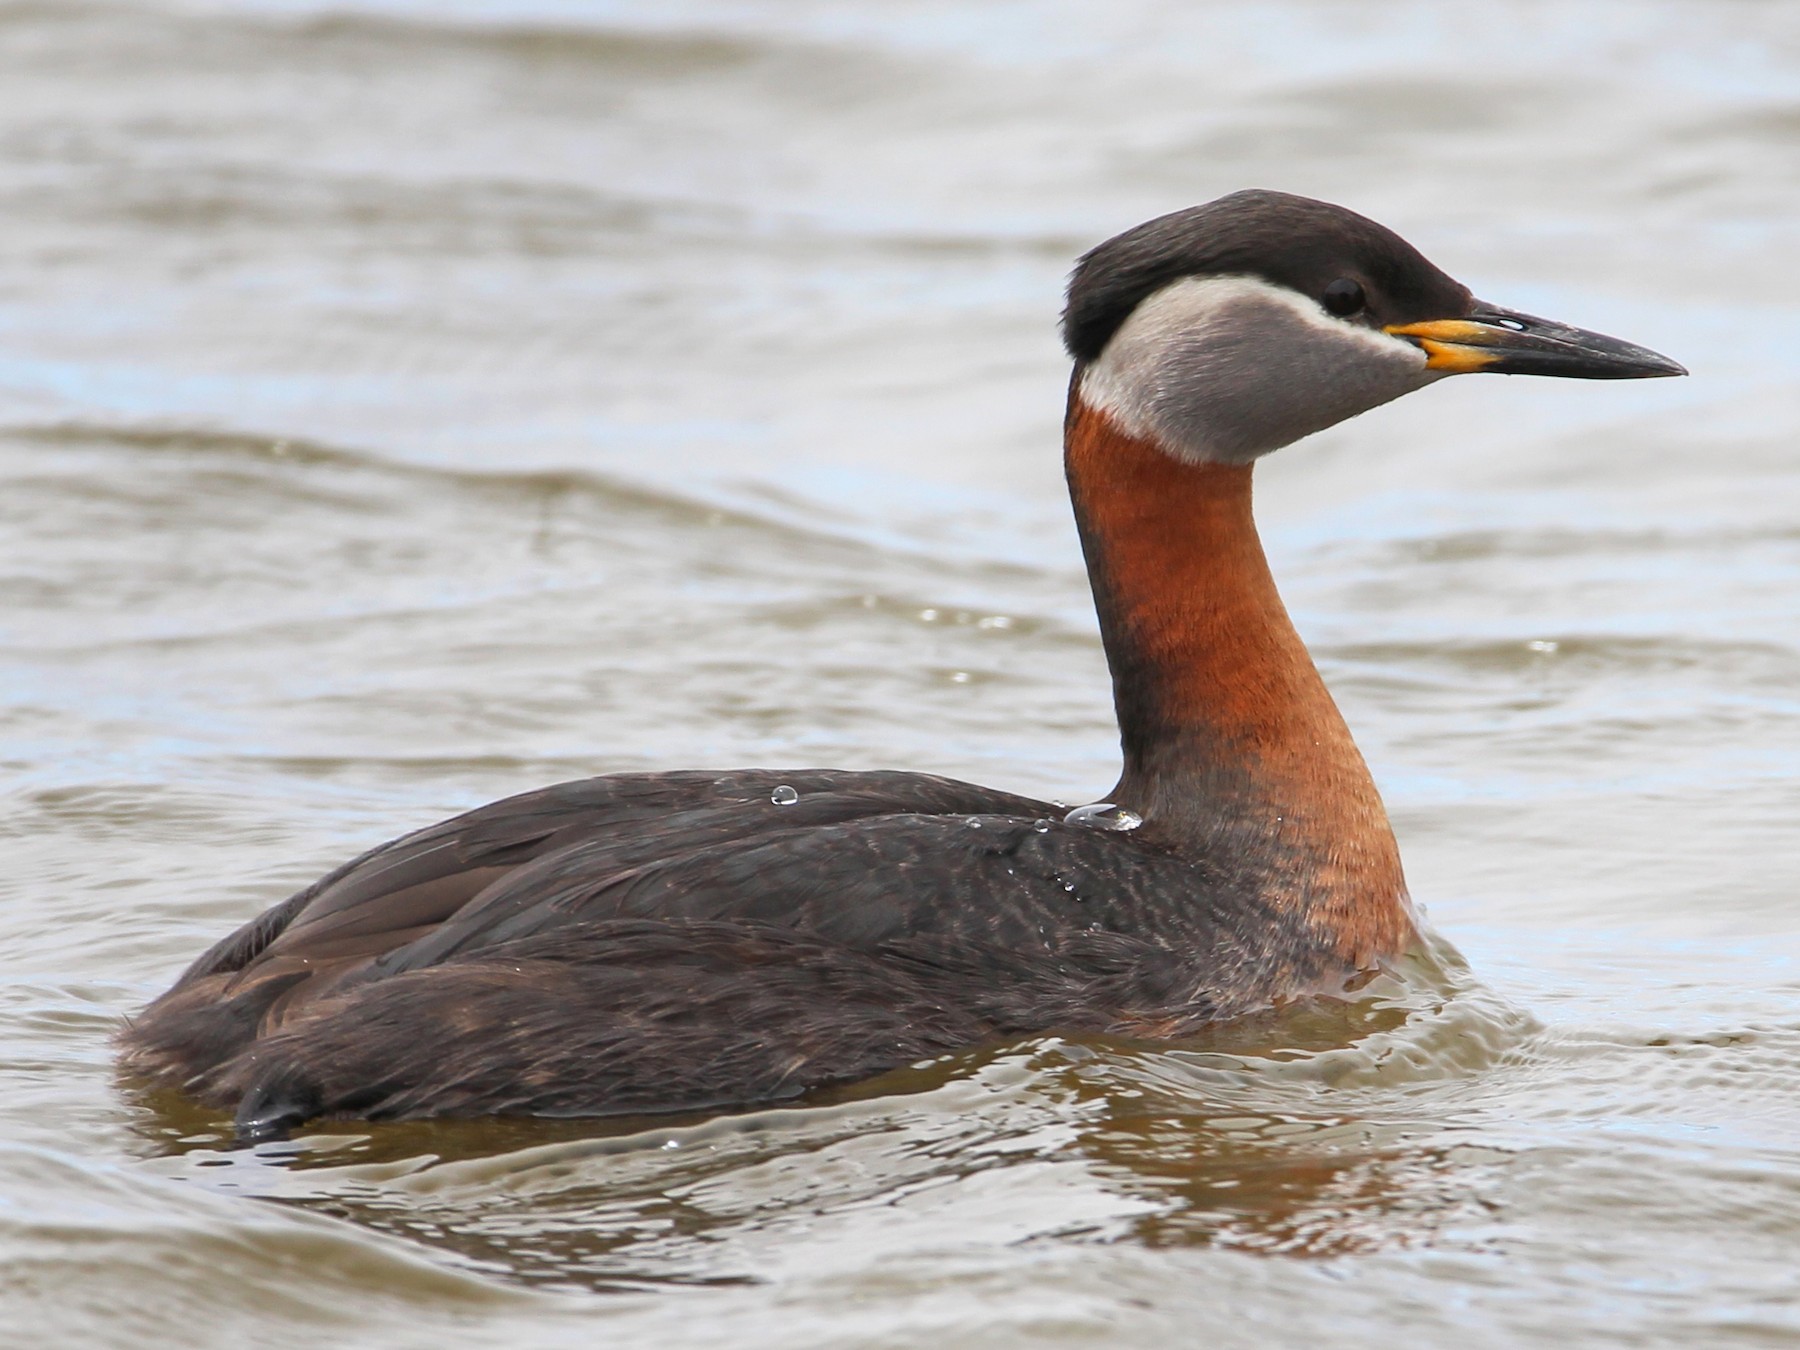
(407, 402)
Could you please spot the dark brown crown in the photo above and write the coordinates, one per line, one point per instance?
(1296, 242)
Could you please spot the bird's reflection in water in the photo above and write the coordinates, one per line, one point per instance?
(1343, 1139)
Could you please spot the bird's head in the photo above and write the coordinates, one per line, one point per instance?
(1228, 330)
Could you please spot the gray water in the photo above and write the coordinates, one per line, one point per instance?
(404, 403)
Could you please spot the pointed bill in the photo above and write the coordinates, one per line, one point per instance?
(1506, 342)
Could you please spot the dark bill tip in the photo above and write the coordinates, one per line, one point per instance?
(1506, 342)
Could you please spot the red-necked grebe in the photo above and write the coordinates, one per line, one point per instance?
(678, 941)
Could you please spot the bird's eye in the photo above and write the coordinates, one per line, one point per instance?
(1344, 297)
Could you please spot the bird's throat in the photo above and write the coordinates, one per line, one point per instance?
(1232, 745)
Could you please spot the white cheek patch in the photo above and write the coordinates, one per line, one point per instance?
(1226, 369)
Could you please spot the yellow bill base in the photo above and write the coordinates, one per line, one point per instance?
(1446, 343)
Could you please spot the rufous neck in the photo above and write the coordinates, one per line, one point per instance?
(1233, 748)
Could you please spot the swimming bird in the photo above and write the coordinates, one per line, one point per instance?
(652, 942)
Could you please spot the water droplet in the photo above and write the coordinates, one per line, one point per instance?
(929, 615)
(1041, 825)
(973, 822)
(1103, 816)
(784, 796)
